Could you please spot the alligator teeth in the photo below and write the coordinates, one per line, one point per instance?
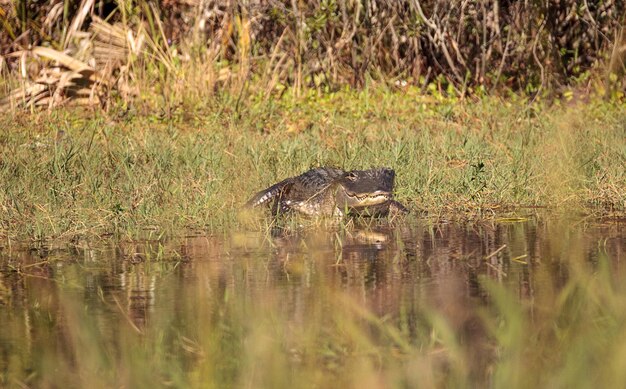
(368, 196)
(369, 200)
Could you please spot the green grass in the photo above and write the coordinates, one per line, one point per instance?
(67, 174)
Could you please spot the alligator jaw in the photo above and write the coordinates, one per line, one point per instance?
(354, 200)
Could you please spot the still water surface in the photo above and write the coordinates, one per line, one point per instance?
(390, 305)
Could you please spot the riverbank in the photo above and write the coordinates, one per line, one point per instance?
(69, 173)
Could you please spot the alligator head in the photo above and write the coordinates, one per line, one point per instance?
(364, 188)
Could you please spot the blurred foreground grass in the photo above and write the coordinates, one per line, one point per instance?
(426, 309)
(70, 173)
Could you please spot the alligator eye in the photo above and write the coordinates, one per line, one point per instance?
(351, 176)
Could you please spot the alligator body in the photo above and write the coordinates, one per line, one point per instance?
(327, 191)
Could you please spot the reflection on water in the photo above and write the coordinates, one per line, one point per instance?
(253, 308)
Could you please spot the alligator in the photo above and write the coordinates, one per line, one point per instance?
(328, 191)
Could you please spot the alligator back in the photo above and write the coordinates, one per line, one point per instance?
(296, 189)
(311, 183)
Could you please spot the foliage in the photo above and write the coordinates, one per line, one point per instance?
(264, 48)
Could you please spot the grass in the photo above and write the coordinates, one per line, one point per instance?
(147, 165)
(69, 174)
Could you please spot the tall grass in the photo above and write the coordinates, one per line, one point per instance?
(66, 174)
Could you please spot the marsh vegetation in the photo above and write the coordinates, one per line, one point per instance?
(124, 260)
(66, 176)
(134, 131)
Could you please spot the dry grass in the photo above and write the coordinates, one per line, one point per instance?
(136, 51)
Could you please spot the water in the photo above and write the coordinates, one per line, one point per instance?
(389, 305)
